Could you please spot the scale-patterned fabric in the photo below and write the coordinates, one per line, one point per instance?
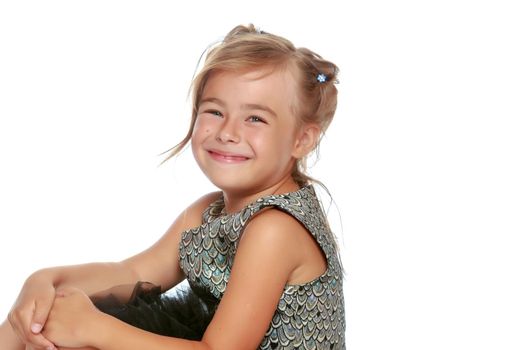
(308, 316)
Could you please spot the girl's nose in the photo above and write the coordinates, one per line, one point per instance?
(228, 132)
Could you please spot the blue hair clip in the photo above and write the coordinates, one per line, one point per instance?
(321, 78)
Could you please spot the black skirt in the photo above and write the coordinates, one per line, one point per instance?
(181, 313)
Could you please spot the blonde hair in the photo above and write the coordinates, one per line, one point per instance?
(245, 47)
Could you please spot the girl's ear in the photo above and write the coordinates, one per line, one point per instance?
(306, 140)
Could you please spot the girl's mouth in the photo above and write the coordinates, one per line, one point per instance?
(227, 157)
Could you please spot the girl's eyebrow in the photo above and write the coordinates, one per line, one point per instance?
(259, 107)
(246, 106)
(213, 100)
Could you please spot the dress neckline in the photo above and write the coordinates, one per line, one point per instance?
(219, 204)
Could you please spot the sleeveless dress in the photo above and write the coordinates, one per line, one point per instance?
(308, 316)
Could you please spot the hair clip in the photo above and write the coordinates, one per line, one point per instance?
(321, 78)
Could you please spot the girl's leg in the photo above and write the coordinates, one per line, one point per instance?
(8, 338)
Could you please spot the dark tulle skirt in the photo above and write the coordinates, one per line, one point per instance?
(181, 313)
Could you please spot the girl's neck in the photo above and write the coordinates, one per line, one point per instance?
(235, 201)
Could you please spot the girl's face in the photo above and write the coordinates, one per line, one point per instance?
(246, 138)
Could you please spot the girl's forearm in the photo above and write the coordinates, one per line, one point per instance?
(91, 277)
(109, 333)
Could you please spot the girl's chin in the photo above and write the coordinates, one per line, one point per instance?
(228, 185)
(234, 184)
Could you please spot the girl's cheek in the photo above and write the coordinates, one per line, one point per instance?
(261, 138)
(197, 129)
(203, 126)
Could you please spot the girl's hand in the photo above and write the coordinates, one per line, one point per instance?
(72, 320)
(30, 311)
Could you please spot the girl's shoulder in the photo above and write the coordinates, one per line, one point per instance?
(192, 215)
(206, 200)
(201, 204)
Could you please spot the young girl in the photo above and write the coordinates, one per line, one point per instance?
(262, 264)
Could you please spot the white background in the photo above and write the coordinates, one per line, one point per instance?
(425, 158)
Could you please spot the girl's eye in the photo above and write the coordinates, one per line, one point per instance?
(256, 119)
(214, 112)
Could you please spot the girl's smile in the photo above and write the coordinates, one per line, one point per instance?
(227, 157)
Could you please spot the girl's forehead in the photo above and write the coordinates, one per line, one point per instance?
(262, 81)
(251, 74)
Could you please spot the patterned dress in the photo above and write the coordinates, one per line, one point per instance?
(309, 315)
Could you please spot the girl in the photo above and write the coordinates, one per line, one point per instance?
(261, 261)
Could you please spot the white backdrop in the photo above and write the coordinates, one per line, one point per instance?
(425, 158)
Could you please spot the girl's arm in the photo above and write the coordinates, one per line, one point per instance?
(268, 254)
(158, 264)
